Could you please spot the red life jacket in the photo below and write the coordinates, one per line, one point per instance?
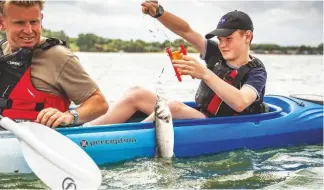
(215, 103)
(211, 104)
(19, 99)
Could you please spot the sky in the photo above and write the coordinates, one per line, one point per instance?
(276, 22)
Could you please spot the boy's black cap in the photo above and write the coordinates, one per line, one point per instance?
(230, 22)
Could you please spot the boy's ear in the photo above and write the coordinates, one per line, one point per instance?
(249, 36)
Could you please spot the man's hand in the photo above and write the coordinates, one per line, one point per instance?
(52, 117)
(190, 66)
(149, 7)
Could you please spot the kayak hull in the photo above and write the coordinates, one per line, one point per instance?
(291, 122)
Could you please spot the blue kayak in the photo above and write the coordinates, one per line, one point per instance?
(290, 122)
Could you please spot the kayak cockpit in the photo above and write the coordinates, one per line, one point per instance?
(274, 111)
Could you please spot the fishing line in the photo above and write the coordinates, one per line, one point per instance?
(156, 29)
(154, 32)
(157, 82)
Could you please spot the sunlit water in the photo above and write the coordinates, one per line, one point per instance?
(286, 168)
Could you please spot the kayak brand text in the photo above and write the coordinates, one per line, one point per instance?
(85, 143)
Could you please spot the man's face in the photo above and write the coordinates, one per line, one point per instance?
(234, 45)
(23, 25)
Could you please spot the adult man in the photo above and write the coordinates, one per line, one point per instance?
(40, 76)
(232, 83)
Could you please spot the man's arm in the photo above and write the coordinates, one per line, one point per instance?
(95, 106)
(91, 108)
(77, 86)
(176, 25)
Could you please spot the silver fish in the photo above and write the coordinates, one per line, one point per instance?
(163, 129)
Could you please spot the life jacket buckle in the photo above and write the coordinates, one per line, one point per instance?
(50, 42)
(5, 103)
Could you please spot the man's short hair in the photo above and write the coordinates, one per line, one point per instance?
(23, 3)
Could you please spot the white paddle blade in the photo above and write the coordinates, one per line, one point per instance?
(69, 168)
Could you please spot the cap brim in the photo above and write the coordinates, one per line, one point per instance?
(222, 32)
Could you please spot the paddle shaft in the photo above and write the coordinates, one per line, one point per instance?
(39, 147)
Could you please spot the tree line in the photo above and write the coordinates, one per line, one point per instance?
(90, 42)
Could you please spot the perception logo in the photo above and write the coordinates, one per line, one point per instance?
(84, 143)
(68, 183)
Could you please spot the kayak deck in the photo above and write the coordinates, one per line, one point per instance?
(290, 122)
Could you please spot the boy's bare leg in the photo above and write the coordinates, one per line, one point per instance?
(180, 110)
(137, 98)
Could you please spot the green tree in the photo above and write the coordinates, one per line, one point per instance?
(89, 42)
(320, 48)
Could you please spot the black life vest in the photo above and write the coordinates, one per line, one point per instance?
(19, 100)
(210, 104)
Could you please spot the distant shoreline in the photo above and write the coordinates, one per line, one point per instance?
(90, 42)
